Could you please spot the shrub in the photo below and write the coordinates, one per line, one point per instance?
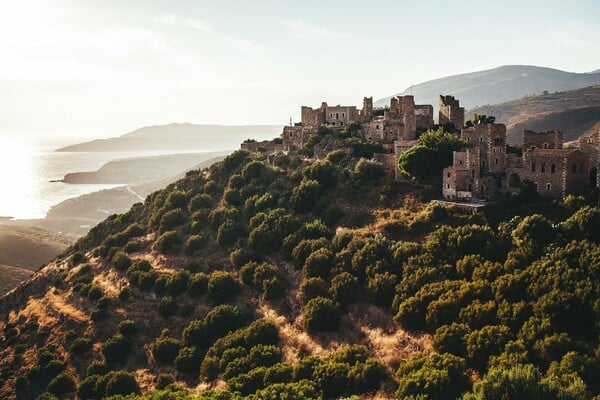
(80, 346)
(305, 195)
(121, 261)
(127, 327)
(198, 284)
(311, 288)
(222, 286)
(319, 263)
(171, 219)
(188, 361)
(116, 348)
(367, 377)
(516, 382)
(124, 294)
(332, 378)
(228, 232)
(62, 384)
(382, 288)
(177, 284)
(321, 314)
(167, 307)
(199, 201)
(164, 350)
(344, 287)
(94, 293)
(169, 242)
(195, 243)
(368, 170)
(122, 383)
(435, 376)
(163, 380)
(96, 367)
(78, 258)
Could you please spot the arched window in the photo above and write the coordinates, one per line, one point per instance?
(548, 186)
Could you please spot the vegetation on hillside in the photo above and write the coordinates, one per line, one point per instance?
(265, 282)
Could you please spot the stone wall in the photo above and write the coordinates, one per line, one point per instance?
(424, 116)
(340, 115)
(294, 137)
(264, 146)
(390, 164)
(542, 140)
(451, 112)
(491, 140)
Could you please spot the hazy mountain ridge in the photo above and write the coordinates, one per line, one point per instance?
(180, 136)
(574, 112)
(497, 85)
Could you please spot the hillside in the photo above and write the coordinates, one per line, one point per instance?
(30, 248)
(180, 137)
(497, 85)
(11, 277)
(574, 112)
(312, 279)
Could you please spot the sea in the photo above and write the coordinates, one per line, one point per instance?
(29, 175)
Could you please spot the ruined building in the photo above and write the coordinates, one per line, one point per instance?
(485, 170)
(400, 122)
(335, 116)
(451, 112)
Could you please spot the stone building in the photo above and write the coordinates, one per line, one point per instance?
(400, 122)
(333, 116)
(294, 137)
(484, 169)
(589, 143)
(451, 112)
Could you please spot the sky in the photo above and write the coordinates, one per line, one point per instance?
(101, 68)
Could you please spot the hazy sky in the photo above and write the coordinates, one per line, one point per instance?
(101, 68)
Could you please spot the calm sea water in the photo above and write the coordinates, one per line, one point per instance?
(26, 172)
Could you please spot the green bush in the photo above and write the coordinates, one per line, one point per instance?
(116, 348)
(199, 201)
(80, 346)
(198, 284)
(435, 376)
(195, 243)
(321, 314)
(94, 293)
(368, 170)
(124, 294)
(171, 219)
(516, 382)
(127, 328)
(167, 307)
(169, 242)
(188, 361)
(229, 231)
(344, 288)
(165, 349)
(163, 380)
(332, 378)
(96, 367)
(121, 261)
(305, 195)
(62, 385)
(123, 383)
(222, 287)
(319, 264)
(311, 288)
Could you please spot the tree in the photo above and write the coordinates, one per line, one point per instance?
(369, 170)
(518, 382)
(222, 286)
(305, 195)
(321, 314)
(418, 162)
(434, 377)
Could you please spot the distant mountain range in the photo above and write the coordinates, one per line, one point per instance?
(505, 83)
(574, 112)
(180, 136)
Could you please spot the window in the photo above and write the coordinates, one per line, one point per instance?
(473, 174)
(376, 126)
(343, 114)
(480, 139)
(548, 186)
(532, 167)
(535, 185)
(553, 168)
(574, 168)
(448, 186)
(581, 168)
(543, 167)
(448, 174)
(460, 162)
(496, 161)
(483, 164)
(546, 146)
(337, 115)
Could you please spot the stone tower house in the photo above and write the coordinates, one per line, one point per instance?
(451, 112)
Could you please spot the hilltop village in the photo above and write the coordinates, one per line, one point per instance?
(484, 169)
